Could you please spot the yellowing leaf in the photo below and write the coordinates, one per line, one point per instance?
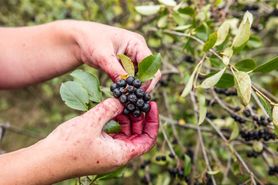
(275, 115)
(189, 84)
(243, 86)
(222, 33)
(212, 80)
(243, 32)
(227, 54)
(235, 131)
(148, 10)
(127, 64)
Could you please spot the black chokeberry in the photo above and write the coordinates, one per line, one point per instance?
(113, 87)
(121, 83)
(136, 83)
(147, 97)
(171, 155)
(163, 158)
(247, 113)
(117, 93)
(136, 113)
(146, 107)
(130, 80)
(132, 98)
(140, 103)
(130, 107)
(139, 93)
(126, 111)
(130, 89)
(123, 98)
(158, 158)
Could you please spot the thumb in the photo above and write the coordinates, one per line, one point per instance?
(103, 112)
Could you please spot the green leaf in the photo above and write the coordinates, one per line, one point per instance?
(275, 115)
(189, 85)
(168, 2)
(214, 172)
(265, 104)
(127, 64)
(112, 127)
(90, 83)
(222, 33)
(212, 80)
(235, 131)
(186, 10)
(226, 81)
(187, 165)
(243, 86)
(162, 22)
(243, 32)
(148, 9)
(148, 67)
(112, 175)
(268, 66)
(74, 95)
(210, 42)
(202, 109)
(245, 65)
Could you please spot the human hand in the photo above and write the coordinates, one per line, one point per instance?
(83, 148)
(99, 45)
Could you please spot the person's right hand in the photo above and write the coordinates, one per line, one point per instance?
(85, 149)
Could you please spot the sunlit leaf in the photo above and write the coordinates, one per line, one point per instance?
(268, 66)
(244, 31)
(127, 64)
(222, 33)
(212, 80)
(148, 9)
(245, 65)
(202, 108)
(243, 86)
(214, 172)
(168, 2)
(258, 146)
(227, 54)
(189, 85)
(74, 95)
(148, 67)
(210, 42)
(275, 115)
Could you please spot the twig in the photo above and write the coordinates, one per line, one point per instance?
(200, 136)
(168, 142)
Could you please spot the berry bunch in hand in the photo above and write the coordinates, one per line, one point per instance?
(131, 95)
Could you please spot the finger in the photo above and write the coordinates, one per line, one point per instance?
(102, 113)
(125, 124)
(108, 62)
(144, 142)
(137, 124)
(137, 50)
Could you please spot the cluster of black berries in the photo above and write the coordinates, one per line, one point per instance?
(262, 121)
(273, 170)
(257, 135)
(238, 118)
(253, 154)
(134, 98)
(226, 92)
(160, 158)
(177, 172)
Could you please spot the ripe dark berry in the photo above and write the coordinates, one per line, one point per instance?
(136, 83)
(146, 107)
(236, 109)
(163, 158)
(140, 103)
(113, 87)
(130, 107)
(147, 97)
(130, 89)
(123, 98)
(247, 113)
(171, 155)
(132, 98)
(158, 158)
(121, 83)
(139, 93)
(136, 113)
(130, 80)
(126, 111)
(117, 93)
